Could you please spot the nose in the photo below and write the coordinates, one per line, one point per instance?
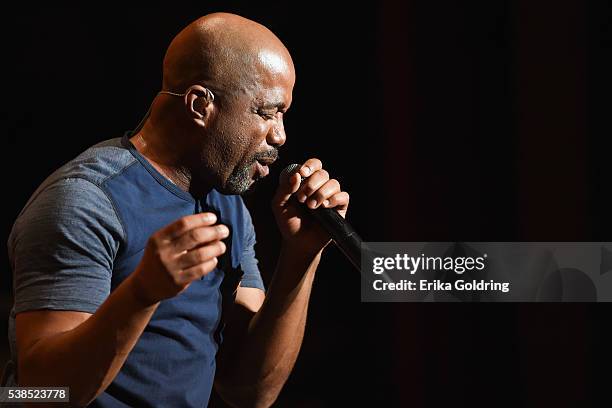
(276, 134)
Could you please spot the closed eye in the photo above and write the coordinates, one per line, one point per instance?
(268, 115)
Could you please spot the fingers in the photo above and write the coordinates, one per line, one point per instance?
(197, 236)
(310, 167)
(197, 271)
(179, 227)
(286, 188)
(340, 201)
(323, 193)
(291, 184)
(317, 189)
(201, 255)
(312, 184)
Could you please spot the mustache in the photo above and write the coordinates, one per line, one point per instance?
(266, 156)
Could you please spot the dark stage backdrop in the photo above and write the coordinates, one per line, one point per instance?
(445, 120)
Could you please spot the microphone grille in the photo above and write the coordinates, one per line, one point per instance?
(289, 170)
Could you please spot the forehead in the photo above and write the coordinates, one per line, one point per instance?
(275, 73)
(274, 62)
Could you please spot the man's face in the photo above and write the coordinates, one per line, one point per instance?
(248, 128)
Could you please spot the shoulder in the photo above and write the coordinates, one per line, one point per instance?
(96, 164)
(80, 180)
(73, 197)
(67, 207)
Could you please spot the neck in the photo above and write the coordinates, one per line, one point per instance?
(163, 150)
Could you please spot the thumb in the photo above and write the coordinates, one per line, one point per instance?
(286, 187)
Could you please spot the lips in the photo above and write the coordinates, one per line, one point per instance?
(262, 169)
(265, 161)
(262, 162)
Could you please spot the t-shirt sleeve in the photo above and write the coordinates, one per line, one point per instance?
(62, 248)
(251, 277)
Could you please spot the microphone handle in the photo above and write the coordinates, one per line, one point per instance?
(340, 231)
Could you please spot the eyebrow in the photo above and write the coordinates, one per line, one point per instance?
(272, 105)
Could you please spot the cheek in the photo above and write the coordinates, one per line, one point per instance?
(248, 139)
(228, 141)
(236, 138)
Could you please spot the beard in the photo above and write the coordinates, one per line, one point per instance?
(240, 180)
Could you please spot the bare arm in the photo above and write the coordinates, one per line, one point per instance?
(263, 342)
(271, 338)
(87, 351)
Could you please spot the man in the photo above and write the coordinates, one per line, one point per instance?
(135, 261)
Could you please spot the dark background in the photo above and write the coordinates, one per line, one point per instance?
(445, 120)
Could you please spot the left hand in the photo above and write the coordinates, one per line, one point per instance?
(298, 230)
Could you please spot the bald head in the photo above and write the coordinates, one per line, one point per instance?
(225, 142)
(226, 52)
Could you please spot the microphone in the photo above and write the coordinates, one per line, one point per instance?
(341, 232)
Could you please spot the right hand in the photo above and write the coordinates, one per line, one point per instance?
(178, 254)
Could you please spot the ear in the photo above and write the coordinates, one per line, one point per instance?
(199, 103)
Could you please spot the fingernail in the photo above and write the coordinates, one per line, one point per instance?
(302, 198)
(325, 203)
(306, 171)
(312, 203)
(223, 230)
(209, 217)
